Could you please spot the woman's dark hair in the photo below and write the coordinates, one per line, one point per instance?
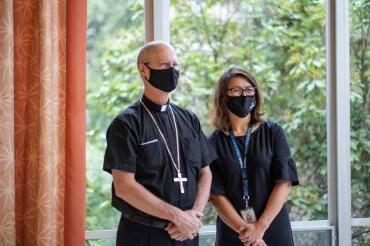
(220, 119)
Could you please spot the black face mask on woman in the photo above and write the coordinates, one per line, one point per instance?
(164, 79)
(242, 105)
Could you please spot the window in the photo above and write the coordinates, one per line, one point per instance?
(360, 116)
(115, 31)
(283, 44)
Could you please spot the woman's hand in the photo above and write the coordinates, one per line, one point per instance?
(251, 234)
(259, 242)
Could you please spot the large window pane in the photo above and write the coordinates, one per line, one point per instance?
(312, 238)
(115, 31)
(283, 44)
(360, 106)
(207, 241)
(360, 235)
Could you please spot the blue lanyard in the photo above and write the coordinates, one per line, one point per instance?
(242, 161)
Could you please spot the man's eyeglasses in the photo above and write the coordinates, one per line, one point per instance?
(166, 65)
(238, 91)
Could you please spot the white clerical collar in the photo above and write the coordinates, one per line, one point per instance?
(164, 107)
(153, 106)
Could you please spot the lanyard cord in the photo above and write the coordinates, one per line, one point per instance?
(242, 161)
(177, 166)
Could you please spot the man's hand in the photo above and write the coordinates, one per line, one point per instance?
(186, 226)
(251, 234)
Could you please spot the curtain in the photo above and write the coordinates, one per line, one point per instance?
(7, 195)
(42, 122)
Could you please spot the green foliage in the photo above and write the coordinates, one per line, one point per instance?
(281, 42)
(360, 115)
(115, 31)
(286, 52)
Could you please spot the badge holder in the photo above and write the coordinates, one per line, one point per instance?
(248, 214)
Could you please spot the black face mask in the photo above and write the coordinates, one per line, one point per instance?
(241, 106)
(164, 79)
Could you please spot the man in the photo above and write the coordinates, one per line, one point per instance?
(158, 157)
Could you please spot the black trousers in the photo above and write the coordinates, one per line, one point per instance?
(130, 233)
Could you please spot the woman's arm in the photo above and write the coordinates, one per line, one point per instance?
(278, 197)
(227, 212)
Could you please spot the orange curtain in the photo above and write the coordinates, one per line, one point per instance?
(7, 204)
(74, 232)
(42, 122)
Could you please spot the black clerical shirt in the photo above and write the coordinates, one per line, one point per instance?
(134, 145)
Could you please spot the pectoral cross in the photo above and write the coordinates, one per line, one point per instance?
(181, 181)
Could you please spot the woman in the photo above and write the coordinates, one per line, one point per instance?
(254, 172)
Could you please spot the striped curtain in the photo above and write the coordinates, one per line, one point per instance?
(42, 125)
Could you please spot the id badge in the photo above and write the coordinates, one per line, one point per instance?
(248, 215)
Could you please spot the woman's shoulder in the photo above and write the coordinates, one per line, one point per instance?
(214, 134)
(272, 127)
(271, 124)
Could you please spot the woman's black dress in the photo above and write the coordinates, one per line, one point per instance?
(268, 160)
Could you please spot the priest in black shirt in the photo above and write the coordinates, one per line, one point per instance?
(158, 157)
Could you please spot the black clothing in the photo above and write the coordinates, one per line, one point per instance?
(133, 234)
(268, 160)
(135, 145)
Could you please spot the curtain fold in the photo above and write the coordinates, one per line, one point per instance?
(74, 232)
(42, 122)
(40, 84)
(7, 188)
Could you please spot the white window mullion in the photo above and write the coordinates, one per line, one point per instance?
(342, 59)
(338, 108)
(157, 20)
(161, 16)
